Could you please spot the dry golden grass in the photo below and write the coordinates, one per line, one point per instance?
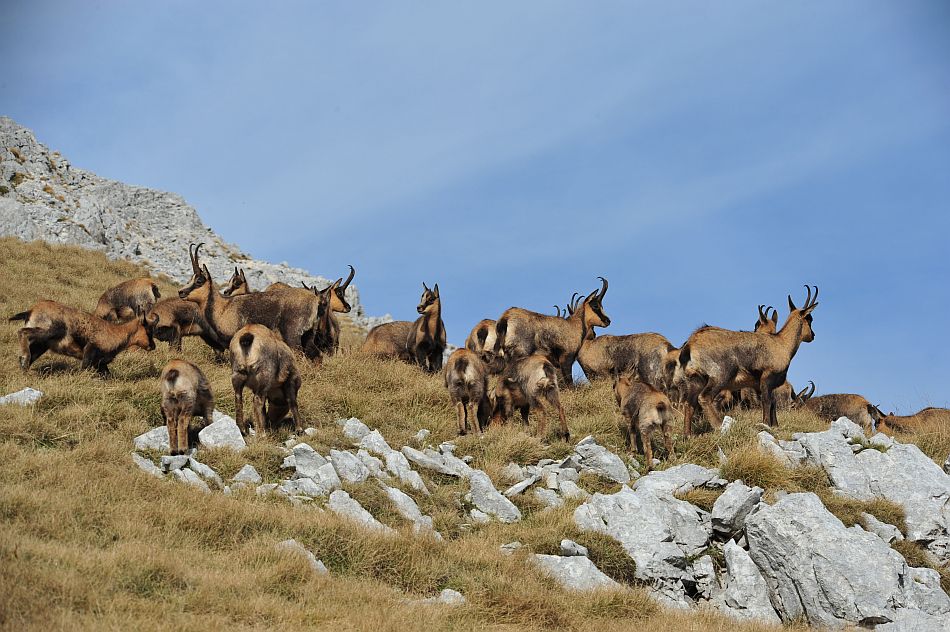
(88, 541)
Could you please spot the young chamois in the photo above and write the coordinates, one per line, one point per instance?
(835, 405)
(644, 410)
(127, 300)
(186, 393)
(524, 384)
(333, 298)
(928, 419)
(482, 341)
(466, 378)
(178, 318)
(51, 326)
(712, 359)
(291, 314)
(421, 342)
(263, 363)
(646, 356)
(237, 284)
(521, 333)
(744, 393)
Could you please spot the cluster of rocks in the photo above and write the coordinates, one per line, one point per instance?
(42, 196)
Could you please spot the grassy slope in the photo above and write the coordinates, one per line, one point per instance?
(88, 541)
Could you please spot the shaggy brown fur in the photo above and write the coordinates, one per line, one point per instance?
(466, 378)
(51, 326)
(834, 405)
(644, 410)
(646, 356)
(525, 384)
(178, 318)
(263, 363)
(928, 419)
(421, 342)
(186, 393)
(127, 300)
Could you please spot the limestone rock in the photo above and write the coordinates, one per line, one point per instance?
(745, 594)
(887, 532)
(574, 573)
(731, 508)
(517, 488)
(349, 466)
(443, 463)
(677, 480)
(548, 497)
(172, 463)
(447, 597)
(154, 439)
(489, 500)
(188, 476)
(205, 472)
(298, 549)
(222, 433)
(147, 466)
(24, 397)
(570, 489)
(398, 465)
(247, 474)
(342, 504)
(354, 429)
(570, 548)
(593, 457)
(374, 465)
(409, 510)
(307, 461)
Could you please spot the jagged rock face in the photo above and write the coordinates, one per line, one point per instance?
(42, 196)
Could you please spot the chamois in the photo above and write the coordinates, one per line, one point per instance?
(647, 356)
(482, 341)
(127, 300)
(421, 342)
(178, 318)
(466, 378)
(521, 333)
(712, 359)
(327, 339)
(835, 405)
(51, 326)
(643, 409)
(927, 419)
(524, 384)
(291, 314)
(262, 362)
(237, 284)
(186, 393)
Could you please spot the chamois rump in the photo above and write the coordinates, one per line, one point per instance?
(644, 410)
(263, 363)
(52, 326)
(930, 418)
(127, 300)
(466, 378)
(186, 393)
(421, 342)
(527, 383)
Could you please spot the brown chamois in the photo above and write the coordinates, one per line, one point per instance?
(237, 284)
(524, 384)
(51, 326)
(928, 419)
(421, 342)
(127, 300)
(332, 299)
(646, 356)
(832, 406)
(186, 393)
(521, 333)
(643, 410)
(291, 314)
(262, 362)
(482, 341)
(466, 378)
(178, 318)
(712, 359)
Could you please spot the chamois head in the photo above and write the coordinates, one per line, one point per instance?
(593, 307)
(144, 336)
(237, 284)
(804, 313)
(799, 398)
(429, 300)
(200, 283)
(338, 300)
(766, 324)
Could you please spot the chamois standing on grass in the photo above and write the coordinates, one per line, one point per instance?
(333, 297)
(263, 363)
(237, 284)
(178, 318)
(647, 356)
(524, 384)
(466, 378)
(291, 314)
(521, 333)
(482, 341)
(186, 393)
(835, 405)
(52, 326)
(644, 409)
(927, 419)
(127, 300)
(421, 342)
(712, 360)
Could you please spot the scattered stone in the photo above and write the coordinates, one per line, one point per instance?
(222, 433)
(517, 488)
(444, 463)
(266, 488)
(726, 426)
(374, 465)
(512, 472)
(946, 465)
(745, 594)
(548, 497)
(550, 480)
(731, 508)
(342, 504)
(570, 489)
(349, 466)
(186, 475)
(575, 573)
(154, 439)
(354, 429)
(375, 443)
(511, 547)
(147, 466)
(479, 517)
(421, 436)
(307, 461)
(447, 597)
(24, 397)
(887, 532)
(409, 510)
(788, 452)
(677, 480)
(172, 463)
(247, 474)
(295, 547)
(704, 571)
(398, 465)
(205, 472)
(310, 432)
(489, 500)
(593, 457)
(568, 474)
(291, 442)
(289, 463)
(570, 548)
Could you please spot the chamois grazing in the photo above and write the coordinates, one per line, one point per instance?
(421, 342)
(178, 318)
(835, 405)
(649, 357)
(928, 419)
(186, 393)
(525, 384)
(643, 410)
(291, 314)
(712, 359)
(237, 284)
(263, 363)
(521, 333)
(482, 341)
(51, 326)
(466, 378)
(127, 300)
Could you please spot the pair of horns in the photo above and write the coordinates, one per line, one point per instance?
(193, 255)
(805, 393)
(810, 301)
(765, 316)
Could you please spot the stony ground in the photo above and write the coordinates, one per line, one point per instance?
(338, 526)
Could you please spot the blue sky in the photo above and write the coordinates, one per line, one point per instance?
(705, 157)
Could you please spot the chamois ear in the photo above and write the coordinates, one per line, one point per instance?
(243, 277)
(791, 304)
(204, 268)
(425, 287)
(436, 289)
(775, 316)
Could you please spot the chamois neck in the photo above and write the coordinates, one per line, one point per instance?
(432, 318)
(214, 303)
(791, 334)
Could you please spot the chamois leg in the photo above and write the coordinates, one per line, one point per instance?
(551, 395)
(290, 394)
(767, 386)
(637, 433)
(471, 415)
(33, 344)
(460, 417)
(625, 426)
(184, 420)
(238, 386)
(566, 366)
(707, 400)
(257, 407)
(647, 434)
(170, 421)
(92, 357)
(668, 440)
(525, 412)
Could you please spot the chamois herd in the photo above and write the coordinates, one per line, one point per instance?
(519, 361)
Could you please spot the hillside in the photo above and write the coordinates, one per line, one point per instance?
(88, 540)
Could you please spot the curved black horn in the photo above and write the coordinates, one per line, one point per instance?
(346, 283)
(807, 298)
(604, 289)
(558, 310)
(812, 392)
(814, 300)
(762, 317)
